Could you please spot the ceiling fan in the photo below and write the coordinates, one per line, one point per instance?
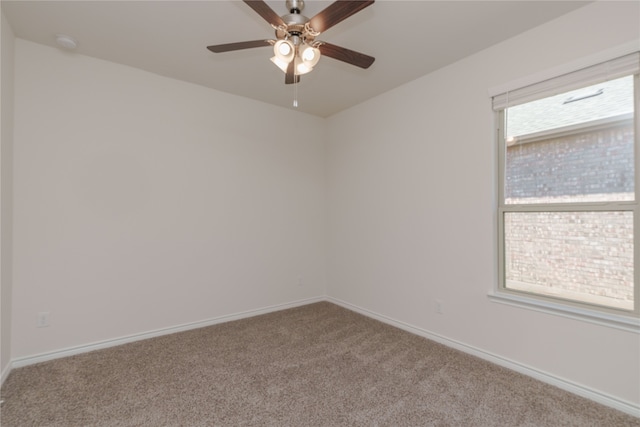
(296, 50)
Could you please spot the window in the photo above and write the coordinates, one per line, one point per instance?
(568, 211)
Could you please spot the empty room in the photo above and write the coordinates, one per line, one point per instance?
(319, 213)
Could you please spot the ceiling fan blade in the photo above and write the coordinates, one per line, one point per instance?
(219, 48)
(337, 12)
(291, 77)
(346, 55)
(265, 11)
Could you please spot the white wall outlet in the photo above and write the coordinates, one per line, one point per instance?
(300, 281)
(42, 320)
(439, 306)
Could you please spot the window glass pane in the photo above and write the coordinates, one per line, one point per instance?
(582, 256)
(573, 147)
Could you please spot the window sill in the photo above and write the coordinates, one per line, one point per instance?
(625, 323)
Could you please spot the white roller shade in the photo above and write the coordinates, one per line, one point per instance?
(613, 69)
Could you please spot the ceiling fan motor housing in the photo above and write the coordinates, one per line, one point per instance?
(294, 26)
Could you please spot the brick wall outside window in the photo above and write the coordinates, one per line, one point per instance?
(586, 253)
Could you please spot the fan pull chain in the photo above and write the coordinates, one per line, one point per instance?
(295, 91)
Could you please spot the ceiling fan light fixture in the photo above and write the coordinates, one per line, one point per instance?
(301, 69)
(284, 50)
(280, 63)
(309, 55)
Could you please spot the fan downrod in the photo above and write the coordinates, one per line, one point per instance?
(295, 6)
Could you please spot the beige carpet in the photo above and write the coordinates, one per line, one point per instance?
(317, 365)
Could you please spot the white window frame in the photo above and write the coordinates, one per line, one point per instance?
(621, 319)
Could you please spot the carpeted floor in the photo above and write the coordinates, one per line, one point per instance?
(317, 365)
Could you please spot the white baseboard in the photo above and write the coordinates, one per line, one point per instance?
(580, 390)
(57, 354)
(5, 373)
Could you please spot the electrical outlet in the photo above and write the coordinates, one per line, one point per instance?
(300, 281)
(439, 307)
(42, 320)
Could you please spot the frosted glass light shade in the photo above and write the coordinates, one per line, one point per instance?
(302, 68)
(309, 55)
(280, 63)
(284, 50)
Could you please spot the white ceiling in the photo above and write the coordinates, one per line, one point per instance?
(408, 39)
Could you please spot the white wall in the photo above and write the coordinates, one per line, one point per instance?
(141, 203)
(144, 203)
(412, 214)
(6, 191)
